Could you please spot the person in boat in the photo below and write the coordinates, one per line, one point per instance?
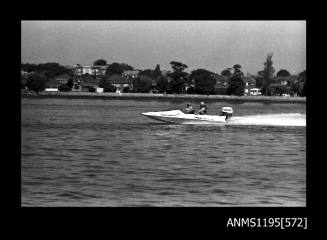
(203, 109)
(189, 109)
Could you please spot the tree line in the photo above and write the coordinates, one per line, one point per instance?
(199, 81)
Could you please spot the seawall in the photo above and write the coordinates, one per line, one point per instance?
(162, 96)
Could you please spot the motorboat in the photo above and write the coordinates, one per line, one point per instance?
(177, 116)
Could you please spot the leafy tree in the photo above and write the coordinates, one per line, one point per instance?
(204, 82)
(237, 70)
(259, 79)
(114, 68)
(157, 71)
(226, 72)
(147, 72)
(283, 73)
(303, 76)
(76, 86)
(178, 81)
(64, 88)
(36, 82)
(126, 89)
(162, 83)
(302, 83)
(268, 73)
(236, 86)
(111, 88)
(70, 83)
(178, 66)
(118, 68)
(126, 67)
(29, 67)
(92, 89)
(106, 84)
(178, 78)
(100, 62)
(142, 84)
(261, 73)
(303, 93)
(50, 70)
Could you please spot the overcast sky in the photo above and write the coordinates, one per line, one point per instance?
(213, 45)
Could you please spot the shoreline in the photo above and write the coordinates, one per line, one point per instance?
(93, 95)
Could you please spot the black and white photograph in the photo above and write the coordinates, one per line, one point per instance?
(163, 113)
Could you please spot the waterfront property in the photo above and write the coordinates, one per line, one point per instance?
(221, 84)
(88, 78)
(255, 92)
(121, 83)
(286, 81)
(91, 70)
(54, 83)
(249, 84)
(89, 82)
(130, 74)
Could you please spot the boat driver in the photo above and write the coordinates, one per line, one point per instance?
(203, 109)
(189, 109)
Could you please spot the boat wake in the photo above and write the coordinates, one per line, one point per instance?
(289, 119)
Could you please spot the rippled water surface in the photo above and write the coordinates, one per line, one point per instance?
(88, 152)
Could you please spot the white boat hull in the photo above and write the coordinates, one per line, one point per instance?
(177, 116)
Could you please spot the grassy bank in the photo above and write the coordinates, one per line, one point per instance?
(162, 96)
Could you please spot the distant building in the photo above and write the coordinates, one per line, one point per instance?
(250, 83)
(221, 84)
(131, 73)
(88, 81)
(254, 91)
(286, 81)
(91, 70)
(53, 84)
(82, 70)
(63, 79)
(121, 82)
(221, 81)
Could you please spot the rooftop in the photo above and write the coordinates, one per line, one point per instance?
(117, 79)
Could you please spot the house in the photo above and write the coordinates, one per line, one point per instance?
(91, 70)
(63, 79)
(249, 84)
(221, 84)
(221, 81)
(286, 81)
(52, 85)
(88, 82)
(99, 70)
(131, 73)
(121, 82)
(283, 85)
(254, 91)
(82, 70)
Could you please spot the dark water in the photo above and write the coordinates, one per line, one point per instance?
(87, 152)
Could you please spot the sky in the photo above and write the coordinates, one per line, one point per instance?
(212, 45)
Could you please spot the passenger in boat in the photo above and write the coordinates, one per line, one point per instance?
(203, 109)
(189, 109)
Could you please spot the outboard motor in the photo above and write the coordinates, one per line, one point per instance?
(228, 112)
